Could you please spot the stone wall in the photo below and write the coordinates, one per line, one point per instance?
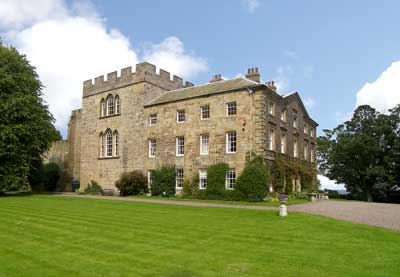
(167, 129)
(134, 90)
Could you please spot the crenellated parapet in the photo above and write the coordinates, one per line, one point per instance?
(145, 72)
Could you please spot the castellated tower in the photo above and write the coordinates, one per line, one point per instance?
(130, 92)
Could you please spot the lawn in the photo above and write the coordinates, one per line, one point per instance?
(291, 201)
(58, 236)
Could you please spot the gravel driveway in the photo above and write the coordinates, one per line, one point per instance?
(377, 214)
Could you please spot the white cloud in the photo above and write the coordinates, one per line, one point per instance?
(309, 102)
(327, 183)
(384, 92)
(18, 13)
(251, 5)
(73, 44)
(170, 55)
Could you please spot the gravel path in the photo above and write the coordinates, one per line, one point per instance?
(376, 214)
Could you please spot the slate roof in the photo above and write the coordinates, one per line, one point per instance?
(204, 90)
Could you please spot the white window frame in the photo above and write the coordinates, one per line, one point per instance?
(231, 136)
(109, 144)
(117, 105)
(179, 178)
(271, 108)
(283, 143)
(153, 117)
(312, 157)
(284, 115)
(230, 179)
(179, 115)
(202, 111)
(230, 109)
(305, 151)
(152, 148)
(204, 144)
(180, 146)
(149, 175)
(295, 148)
(116, 143)
(271, 139)
(110, 105)
(295, 122)
(203, 181)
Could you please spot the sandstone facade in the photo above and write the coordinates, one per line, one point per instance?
(139, 97)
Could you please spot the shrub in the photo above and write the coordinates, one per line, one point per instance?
(191, 188)
(216, 181)
(93, 188)
(132, 183)
(253, 182)
(163, 181)
(51, 175)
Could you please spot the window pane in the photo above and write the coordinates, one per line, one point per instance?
(203, 144)
(152, 147)
(203, 178)
(231, 142)
(205, 112)
(230, 178)
(109, 144)
(153, 119)
(179, 178)
(180, 146)
(231, 108)
(180, 116)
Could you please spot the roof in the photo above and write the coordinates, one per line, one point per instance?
(295, 96)
(203, 90)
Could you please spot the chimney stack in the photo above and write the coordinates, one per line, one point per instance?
(216, 78)
(253, 74)
(188, 84)
(271, 85)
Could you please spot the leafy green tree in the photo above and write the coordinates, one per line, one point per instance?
(26, 129)
(163, 181)
(253, 182)
(359, 153)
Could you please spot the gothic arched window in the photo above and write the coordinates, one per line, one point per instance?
(110, 105)
(117, 105)
(116, 143)
(109, 144)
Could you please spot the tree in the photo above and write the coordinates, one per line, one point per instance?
(26, 129)
(359, 153)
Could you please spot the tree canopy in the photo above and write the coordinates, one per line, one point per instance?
(26, 125)
(363, 153)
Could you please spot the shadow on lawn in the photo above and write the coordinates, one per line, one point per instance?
(16, 193)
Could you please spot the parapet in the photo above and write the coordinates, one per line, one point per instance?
(145, 72)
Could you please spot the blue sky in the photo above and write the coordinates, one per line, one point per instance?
(326, 50)
(336, 54)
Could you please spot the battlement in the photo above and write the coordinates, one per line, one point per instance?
(145, 72)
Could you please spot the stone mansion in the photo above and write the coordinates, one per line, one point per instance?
(141, 120)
